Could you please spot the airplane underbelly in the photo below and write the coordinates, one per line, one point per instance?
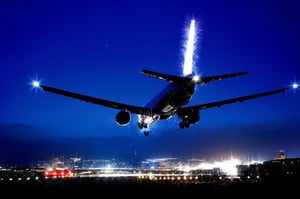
(179, 101)
(167, 108)
(181, 98)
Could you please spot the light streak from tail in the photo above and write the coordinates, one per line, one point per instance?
(189, 49)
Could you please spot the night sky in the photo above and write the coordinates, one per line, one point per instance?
(99, 48)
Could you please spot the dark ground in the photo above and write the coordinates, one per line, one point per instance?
(114, 187)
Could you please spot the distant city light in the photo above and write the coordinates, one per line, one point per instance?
(227, 166)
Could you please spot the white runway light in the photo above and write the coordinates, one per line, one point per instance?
(189, 49)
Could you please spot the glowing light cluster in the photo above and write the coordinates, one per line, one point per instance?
(227, 166)
(189, 49)
(59, 173)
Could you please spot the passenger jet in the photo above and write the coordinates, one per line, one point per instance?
(171, 101)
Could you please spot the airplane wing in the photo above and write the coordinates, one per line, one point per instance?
(209, 79)
(98, 101)
(229, 101)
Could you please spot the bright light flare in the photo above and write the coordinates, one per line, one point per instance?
(36, 84)
(189, 49)
(295, 85)
(227, 166)
(196, 78)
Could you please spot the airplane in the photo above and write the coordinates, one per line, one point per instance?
(169, 102)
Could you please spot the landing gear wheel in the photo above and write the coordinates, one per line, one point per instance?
(140, 125)
(181, 125)
(187, 125)
(146, 133)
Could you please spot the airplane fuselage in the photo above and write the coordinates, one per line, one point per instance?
(166, 103)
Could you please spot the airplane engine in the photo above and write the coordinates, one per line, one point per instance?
(123, 118)
(189, 119)
(193, 118)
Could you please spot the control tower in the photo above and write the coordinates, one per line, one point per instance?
(280, 156)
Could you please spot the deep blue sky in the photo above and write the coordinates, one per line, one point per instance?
(100, 47)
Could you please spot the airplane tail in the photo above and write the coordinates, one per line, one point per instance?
(196, 79)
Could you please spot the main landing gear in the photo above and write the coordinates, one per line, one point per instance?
(146, 131)
(184, 124)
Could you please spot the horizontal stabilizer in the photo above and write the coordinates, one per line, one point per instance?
(202, 80)
(166, 77)
(209, 79)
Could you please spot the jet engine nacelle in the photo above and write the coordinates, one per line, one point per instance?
(123, 118)
(189, 118)
(193, 118)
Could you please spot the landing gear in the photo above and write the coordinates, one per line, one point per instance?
(140, 125)
(183, 124)
(188, 118)
(145, 127)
